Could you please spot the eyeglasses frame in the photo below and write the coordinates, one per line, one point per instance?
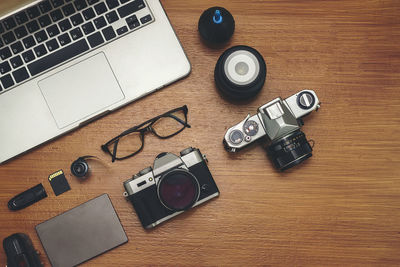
(142, 131)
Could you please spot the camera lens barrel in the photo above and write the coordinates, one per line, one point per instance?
(178, 190)
(80, 168)
(290, 150)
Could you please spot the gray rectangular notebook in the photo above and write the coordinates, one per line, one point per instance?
(81, 233)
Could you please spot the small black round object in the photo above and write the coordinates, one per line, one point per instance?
(240, 72)
(80, 168)
(290, 150)
(216, 25)
(178, 190)
(305, 100)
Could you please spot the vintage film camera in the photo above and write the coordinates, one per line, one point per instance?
(280, 121)
(173, 185)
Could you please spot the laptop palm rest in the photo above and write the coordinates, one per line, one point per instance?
(81, 91)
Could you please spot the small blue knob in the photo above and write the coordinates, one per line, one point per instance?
(217, 18)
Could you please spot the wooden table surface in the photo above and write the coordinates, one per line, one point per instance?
(341, 207)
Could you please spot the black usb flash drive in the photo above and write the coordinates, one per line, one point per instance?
(27, 198)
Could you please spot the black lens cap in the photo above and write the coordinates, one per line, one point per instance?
(240, 72)
(216, 25)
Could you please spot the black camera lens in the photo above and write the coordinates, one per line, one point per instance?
(290, 150)
(178, 190)
(80, 168)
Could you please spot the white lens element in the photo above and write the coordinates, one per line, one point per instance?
(241, 67)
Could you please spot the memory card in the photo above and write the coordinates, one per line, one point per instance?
(58, 182)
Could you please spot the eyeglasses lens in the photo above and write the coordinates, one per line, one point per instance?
(127, 145)
(170, 124)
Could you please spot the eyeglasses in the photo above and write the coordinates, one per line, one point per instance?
(131, 141)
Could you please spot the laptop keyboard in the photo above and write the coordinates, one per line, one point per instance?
(54, 31)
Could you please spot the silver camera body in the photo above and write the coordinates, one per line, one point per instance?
(173, 185)
(279, 120)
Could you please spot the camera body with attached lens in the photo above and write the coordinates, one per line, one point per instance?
(280, 121)
(174, 184)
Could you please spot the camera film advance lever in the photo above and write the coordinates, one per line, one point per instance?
(280, 121)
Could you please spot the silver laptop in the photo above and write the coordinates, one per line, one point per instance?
(64, 63)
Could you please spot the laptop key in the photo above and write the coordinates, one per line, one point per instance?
(56, 15)
(57, 3)
(89, 13)
(17, 47)
(9, 37)
(29, 42)
(40, 50)
(68, 10)
(21, 18)
(76, 19)
(41, 36)
(145, 19)
(64, 39)
(65, 25)
(109, 33)
(52, 45)
(32, 26)
(100, 8)
(112, 17)
(9, 23)
(21, 32)
(76, 33)
(45, 6)
(130, 8)
(20, 75)
(44, 21)
(16, 62)
(95, 39)
(112, 4)
(80, 4)
(88, 28)
(92, 2)
(52, 30)
(122, 30)
(7, 81)
(5, 67)
(58, 57)
(100, 22)
(5, 53)
(1, 28)
(28, 56)
(132, 22)
(33, 12)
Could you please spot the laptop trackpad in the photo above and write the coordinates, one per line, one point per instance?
(81, 90)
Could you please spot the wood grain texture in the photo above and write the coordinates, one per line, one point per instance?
(341, 207)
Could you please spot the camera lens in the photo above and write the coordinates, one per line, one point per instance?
(79, 168)
(290, 150)
(240, 72)
(178, 190)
